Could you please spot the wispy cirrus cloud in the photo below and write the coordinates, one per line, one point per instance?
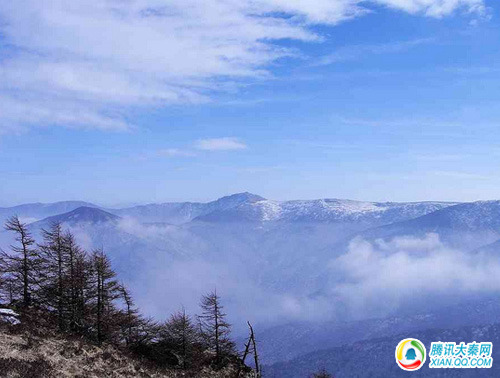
(165, 153)
(436, 8)
(194, 148)
(175, 152)
(92, 63)
(220, 144)
(349, 53)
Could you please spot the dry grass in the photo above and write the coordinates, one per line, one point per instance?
(32, 356)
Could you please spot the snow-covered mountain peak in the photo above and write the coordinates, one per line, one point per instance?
(238, 198)
(251, 207)
(334, 206)
(258, 209)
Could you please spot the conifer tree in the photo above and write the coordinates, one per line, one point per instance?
(105, 292)
(78, 276)
(131, 321)
(215, 329)
(21, 266)
(54, 267)
(183, 337)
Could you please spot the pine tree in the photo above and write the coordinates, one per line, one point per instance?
(77, 281)
(131, 321)
(21, 267)
(215, 329)
(183, 337)
(105, 292)
(54, 257)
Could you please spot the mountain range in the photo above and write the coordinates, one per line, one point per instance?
(286, 265)
(31, 212)
(247, 207)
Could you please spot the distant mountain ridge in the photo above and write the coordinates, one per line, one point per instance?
(472, 215)
(323, 210)
(247, 207)
(476, 224)
(183, 212)
(82, 214)
(36, 211)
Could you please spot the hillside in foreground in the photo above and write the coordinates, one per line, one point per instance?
(36, 356)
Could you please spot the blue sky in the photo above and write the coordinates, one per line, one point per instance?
(155, 100)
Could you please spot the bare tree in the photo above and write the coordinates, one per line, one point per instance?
(22, 265)
(214, 327)
(250, 348)
(255, 354)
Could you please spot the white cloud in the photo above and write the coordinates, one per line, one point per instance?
(435, 8)
(18, 113)
(90, 63)
(360, 51)
(379, 277)
(220, 144)
(211, 144)
(175, 152)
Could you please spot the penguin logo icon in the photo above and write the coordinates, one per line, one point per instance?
(410, 354)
